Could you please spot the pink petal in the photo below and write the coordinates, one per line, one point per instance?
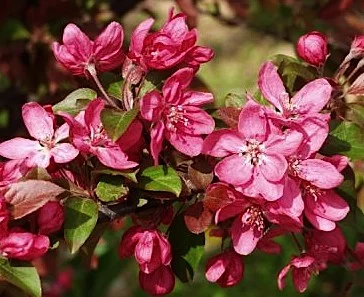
(200, 122)
(19, 148)
(107, 47)
(215, 268)
(234, 170)
(271, 85)
(197, 98)
(301, 277)
(222, 143)
(190, 145)
(157, 137)
(340, 162)
(253, 122)
(131, 136)
(37, 121)
(144, 248)
(230, 211)
(151, 106)
(174, 85)
(77, 43)
(282, 276)
(113, 158)
(245, 238)
(320, 173)
(285, 144)
(138, 36)
(64, 152)
(313, 96)
(93, 114)
(159, 282)
(41, 158)
(273, 167)
(198, 55)
(75, 64)
(319, 222)
(129, 241)
(62, 132)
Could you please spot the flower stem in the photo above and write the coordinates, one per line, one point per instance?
(92, 70)
(299, 246)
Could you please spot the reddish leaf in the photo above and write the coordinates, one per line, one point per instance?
(219, 195)
(200, 174)
(197, 218)
(229, 115)
(27, 196)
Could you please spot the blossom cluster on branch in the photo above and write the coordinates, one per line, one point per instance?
(144, 145)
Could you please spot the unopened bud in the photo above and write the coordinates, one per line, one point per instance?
(312, 48)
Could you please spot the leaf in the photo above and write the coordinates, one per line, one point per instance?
(76, 101)
(80, 219)
(197, 218)
(113, 84)
(229, 115)
(22, 276)
(344, 138)
(291, 69)
(146, 87)
(27, 196)
(160, 178)
(347, 187)
(187, 249)
(117, 122)
(111, 188)
(235, 100)
(130, 174)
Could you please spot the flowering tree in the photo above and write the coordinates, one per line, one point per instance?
(270, 164)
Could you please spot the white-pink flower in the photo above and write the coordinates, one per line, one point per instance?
(46, 145)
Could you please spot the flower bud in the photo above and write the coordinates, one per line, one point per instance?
(312, 48)
(357, 47)
(160, 282)
(50, 217)
(225, 269)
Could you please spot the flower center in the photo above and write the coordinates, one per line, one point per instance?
(99, 137)
(176, 116)
(253, 152)
(253, 216)
(312, 190)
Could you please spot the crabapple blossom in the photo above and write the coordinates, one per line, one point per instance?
(173, 44)
(50, 217)
(78, 52)
(176, 115)
(47, 144)
(159, 282)
(312, 48)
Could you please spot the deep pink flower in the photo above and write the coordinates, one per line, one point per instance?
(301, 112)
(88, 136)
(176, 115)
(303, 267)
(225, 269)
(150, 248)
(23, 245)
(50, 217)
(254, 154)
(47, 144)
(11, 171)
(78, 52)
(172, 44)
(160, 282)
(252, 215)
(312, 48)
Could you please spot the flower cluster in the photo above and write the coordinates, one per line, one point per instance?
(259, 174)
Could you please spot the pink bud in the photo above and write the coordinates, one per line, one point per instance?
(78, 51)
(150, 248)
(23, 246)
(50, 217)
(225, 269)
(312, 48)
(357, 46)
(160, 282)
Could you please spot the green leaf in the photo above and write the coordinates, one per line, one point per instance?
(187, 249)
(347, 187)
(80, 220)
(130, 174)
(292, 69)
(76, 101)
(117, 122)
(113, 84)
(160, 178)
(146, 87)
(235, 100)
(344, 138)
(111, 188)
(21, 275)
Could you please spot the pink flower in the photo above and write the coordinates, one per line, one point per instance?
(225, 269)
(172, 44)
(301, 112)
(89, 137)
(312, 48)
(50, 217)
(78, 52)
(150, 248)
(11, 171)
(46, 145)
(23, 245)
(303, 267)
(160, 282)
(252, 215)
(176, 115)
(254, 154)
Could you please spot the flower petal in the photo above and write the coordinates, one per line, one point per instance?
(157, 137)
(113, 158)
(151, 106)
(197, 98)
(64, 152)
(253, 122)
(176, 84)
(138, 36)
(234, 170)
(222, 143)
(244, 238)
(273, 167)
(19, 148)
(190, 145)
(77, 43)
